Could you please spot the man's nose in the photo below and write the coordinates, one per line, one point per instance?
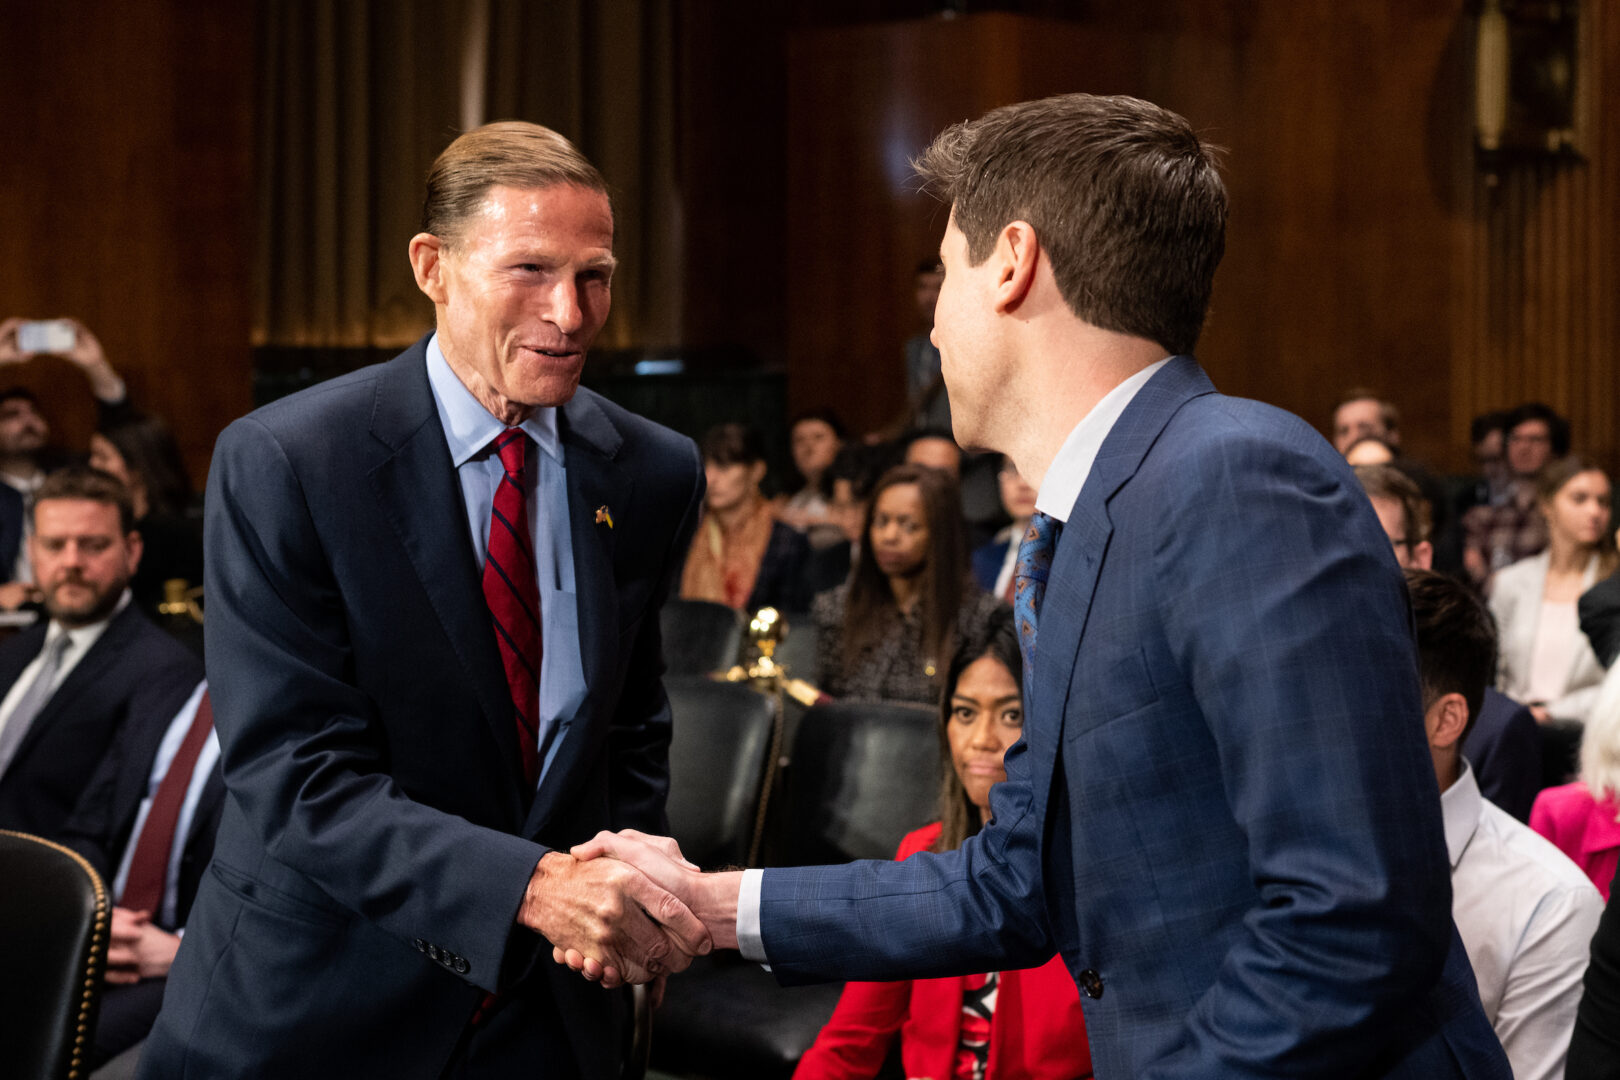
(566, 313)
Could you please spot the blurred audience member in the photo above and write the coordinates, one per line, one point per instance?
(1513, 528)
(849, 482)
(25, 451)
(141, 452)
(147, 822)
(936, 449)
(909, 598)
(1361, 413)
(1525, 912)
(993, 563)
(1583, 817)
(1599, 609)
(815, 439)
(73, 682)
(1503, 745)
(1546, 660)
(1025, 1023)
(1487, 436)
(1594, 1051)
(741, 556)
(926, 403)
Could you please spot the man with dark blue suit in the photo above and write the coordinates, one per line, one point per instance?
(433, 652)
(1223, 812)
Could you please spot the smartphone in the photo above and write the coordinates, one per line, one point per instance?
(46, 336)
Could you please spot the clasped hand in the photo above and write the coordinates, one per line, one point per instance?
(696, 911)
(618, 924)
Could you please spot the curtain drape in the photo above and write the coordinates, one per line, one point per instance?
(355, 101)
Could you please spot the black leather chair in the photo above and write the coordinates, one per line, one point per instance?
(55, 917)
(700, 637)
(797, 652)
(862, 775)
(717, 763)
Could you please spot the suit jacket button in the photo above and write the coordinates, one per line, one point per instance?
(433, 952)
(1091, 983)
(462, 967)
(419, 945)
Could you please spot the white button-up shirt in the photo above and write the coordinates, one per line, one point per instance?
(1526, 914)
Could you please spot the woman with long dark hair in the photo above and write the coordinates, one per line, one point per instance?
(886, 634)
(1546, 662)
(980, 1027)
(140, 450)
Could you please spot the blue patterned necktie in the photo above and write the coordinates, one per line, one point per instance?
(1029, 579)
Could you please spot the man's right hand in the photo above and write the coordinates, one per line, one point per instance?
(627, 929)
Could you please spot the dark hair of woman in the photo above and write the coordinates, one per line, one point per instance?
(733, 444)
(959, 818)
(943, 578)
(150, 453)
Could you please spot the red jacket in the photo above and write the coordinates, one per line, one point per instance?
(1036, 1033)
(1582, 828)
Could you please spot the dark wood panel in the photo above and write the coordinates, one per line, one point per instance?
(124, 200)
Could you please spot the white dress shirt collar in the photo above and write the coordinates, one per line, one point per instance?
(468, 426)
(1460, 806)
(1069, 469)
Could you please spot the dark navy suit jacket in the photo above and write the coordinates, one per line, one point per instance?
(102, 823)
(123, 680)
(1223, 812)
(378, 835)
(1504, 747)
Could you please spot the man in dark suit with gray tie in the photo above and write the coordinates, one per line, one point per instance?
(433, 651)
(71, 683)
(1222, 812)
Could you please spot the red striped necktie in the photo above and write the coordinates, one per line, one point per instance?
(514, 598)
(149, 866)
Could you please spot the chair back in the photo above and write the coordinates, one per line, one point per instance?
(862, 775)
(718, 756)
(699, 636)
(54, 923)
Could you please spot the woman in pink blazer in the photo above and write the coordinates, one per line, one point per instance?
(1583, 818)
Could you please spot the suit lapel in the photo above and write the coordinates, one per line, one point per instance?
(418, 494)
(86, 674)
(590, 444)
(1083, 545)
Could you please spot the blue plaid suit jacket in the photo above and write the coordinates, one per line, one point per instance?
(1223, 812)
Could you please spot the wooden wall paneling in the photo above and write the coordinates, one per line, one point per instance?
(1539, 250)
(861, 102)
(124, 201)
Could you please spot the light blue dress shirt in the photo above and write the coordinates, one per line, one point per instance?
(469, 429)
(167, 749)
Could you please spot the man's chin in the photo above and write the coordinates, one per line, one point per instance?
(93, 610)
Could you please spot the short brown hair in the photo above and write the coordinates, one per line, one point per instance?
(509, 153)
(1123, 196)
(1387, 412)
(1388, 482)
(92, 485)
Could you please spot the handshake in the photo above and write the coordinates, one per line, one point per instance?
(628, 908)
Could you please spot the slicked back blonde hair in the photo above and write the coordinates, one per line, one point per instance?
(507, 153)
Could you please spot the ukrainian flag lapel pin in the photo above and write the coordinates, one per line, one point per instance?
(604, 515)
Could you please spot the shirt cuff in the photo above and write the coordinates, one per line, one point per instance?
(750, 942)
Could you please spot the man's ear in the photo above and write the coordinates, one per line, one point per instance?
(1017, 255)
(427, 263)
(756, 473)
(1445, 720)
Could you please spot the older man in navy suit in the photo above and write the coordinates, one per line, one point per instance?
(434, 659)
(1222, 812)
